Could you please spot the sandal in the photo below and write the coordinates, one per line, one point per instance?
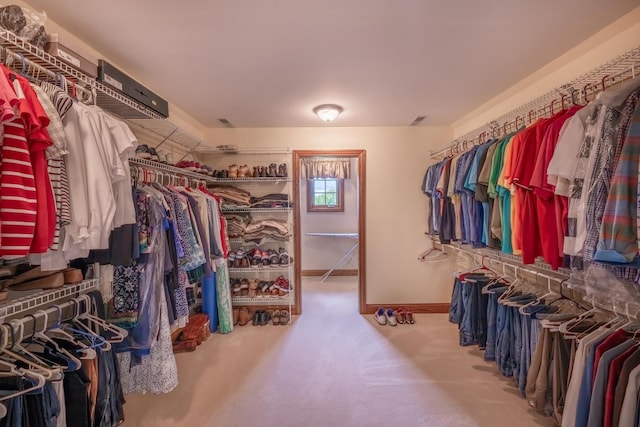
(275, 317)
(409, 316)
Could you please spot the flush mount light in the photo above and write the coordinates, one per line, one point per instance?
(328, 112)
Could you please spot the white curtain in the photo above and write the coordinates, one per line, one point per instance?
(326, 168)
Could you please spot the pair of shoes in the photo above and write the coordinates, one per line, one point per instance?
(280, 317)
(404, 315)
(385, 316)
(244, 172)
(165, 157)
(261, 318)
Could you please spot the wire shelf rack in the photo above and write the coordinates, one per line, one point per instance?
(106, 97)
(136, 161)
(236, 210)
(233, 149)
(261, 269)
(252, 179)
(45, 298)
(263, 300)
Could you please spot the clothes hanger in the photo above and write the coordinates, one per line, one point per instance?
(119, 334)
(39, 379)
(60, 333)
(16, 353)
(40, 337)
(82, 330)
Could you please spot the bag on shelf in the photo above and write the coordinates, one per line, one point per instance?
(26, 24)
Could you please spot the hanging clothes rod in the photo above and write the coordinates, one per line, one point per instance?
(581, 89)
(15, 60)
(606, 303)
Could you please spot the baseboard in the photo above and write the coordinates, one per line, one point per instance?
(309, 273)
(416, 308)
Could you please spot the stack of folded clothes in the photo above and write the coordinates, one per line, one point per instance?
(237, 224)
(267, 228)
(232, 196)
(274, 200)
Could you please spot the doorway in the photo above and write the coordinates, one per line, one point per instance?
(359, 156)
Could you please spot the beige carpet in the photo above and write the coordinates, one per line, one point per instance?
(333, 367)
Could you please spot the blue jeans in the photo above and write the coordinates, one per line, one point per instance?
(456, 306)
(492, 322)
(474, 319)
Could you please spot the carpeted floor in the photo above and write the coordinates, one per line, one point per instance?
(333, 367)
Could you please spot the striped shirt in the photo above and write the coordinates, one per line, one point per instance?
(18, 203)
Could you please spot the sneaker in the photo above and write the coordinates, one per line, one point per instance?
(391, 317)
(380, 316)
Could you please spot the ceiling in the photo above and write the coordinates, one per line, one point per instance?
(263, 63)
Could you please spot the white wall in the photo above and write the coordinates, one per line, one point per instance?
(614, 40)
(321, 253)
(396, 209)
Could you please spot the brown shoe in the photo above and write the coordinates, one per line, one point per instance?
(243, 316)
(236, 316)
(72, 276)
(50, 282)
(185, 346)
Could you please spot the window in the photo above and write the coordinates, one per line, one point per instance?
(325, 195)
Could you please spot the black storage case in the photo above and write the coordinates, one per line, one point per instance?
(118, 80)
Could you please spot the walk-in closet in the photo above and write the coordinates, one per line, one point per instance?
(298, 213)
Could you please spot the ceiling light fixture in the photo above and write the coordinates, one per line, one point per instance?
(328, 112)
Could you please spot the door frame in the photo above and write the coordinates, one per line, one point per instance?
(360, 155)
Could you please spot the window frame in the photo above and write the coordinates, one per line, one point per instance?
(339, 207)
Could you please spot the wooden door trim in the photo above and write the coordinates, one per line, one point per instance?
(362, 282)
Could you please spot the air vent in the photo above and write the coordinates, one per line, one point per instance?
(226, 123)
(417, 120)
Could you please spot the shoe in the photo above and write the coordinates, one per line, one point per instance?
(265, 258)
(243, 171)
(400, 315)
(257, 315)
(282, 170)
(169, 158)
(233, 171)
(243, 316)
(264, 171)
(284, 257)
(275, 317)
(380, 316)
(272, 170)
(274, 259)
(391, 317)
(244, 287)
(256, 172)
(409, 316)
(253, 288)
(236, 316)
(142, 152)
(256, 257)
(72, 276)
(284, 317)
(185, 346)
(154, 154)
(265, 317)
(53, 281)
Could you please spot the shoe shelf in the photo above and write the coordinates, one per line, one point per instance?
(236, 210)
(232, 149)
(263, 300)
(264, 240)
(169, 169)
(106, 97)
(272, 179)
(261, 269)
(43, 299)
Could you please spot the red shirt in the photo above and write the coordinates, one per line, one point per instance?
(35, 123)
(610, 394)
